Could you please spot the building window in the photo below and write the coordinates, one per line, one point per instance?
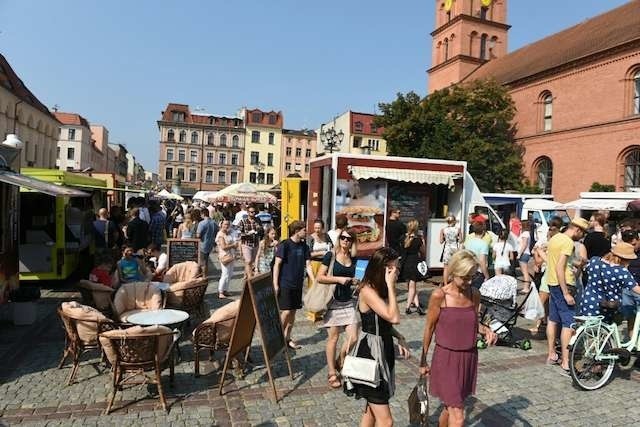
(358, 126)
(357, 142)
(178, 117)
(192, 175)
(223, 140)
(183, 136)
(181, 155)
(255, 157)
(632, 170)
(57, 152)
(483, 13)
(223, 159)
(72, 134)
(71, 153)
(252, 177)
(298, 167)
(446, 49)
(307, 152)
(168, 173)
(256, 117)
(271, 138)
(270, 178)
(483, 46)
(169, 154)
(636, 93)
(255, 136)
(544, 174)
(208, 176)
(222, 177)
(235, 141)
(287, 166)
(272, 119)
(306, 168)
(234, 159)
(209, 158)
(171, 136)
(269, 159)
(194, 156)
(374, 128)
(181, 173)
(234, 177)
(547, 103)
(210, 139)
(298, 152)
(194, 137)
(288, 151)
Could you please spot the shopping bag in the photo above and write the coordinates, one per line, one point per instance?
(419, 403)
(533, 308)
(318, 297)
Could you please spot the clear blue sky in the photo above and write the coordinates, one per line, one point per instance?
(119, 62)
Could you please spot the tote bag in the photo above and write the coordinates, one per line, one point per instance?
(318, 297)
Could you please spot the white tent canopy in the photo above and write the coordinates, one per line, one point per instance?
(598, 204)
(204, 195)
(164, 194)
(241, 193)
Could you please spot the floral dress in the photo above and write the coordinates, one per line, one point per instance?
(264, 264)
(450, 242)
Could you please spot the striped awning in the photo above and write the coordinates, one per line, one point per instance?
(405, 175)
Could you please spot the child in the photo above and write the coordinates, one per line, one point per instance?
(130, 267)
(101, 273)
(502, 254)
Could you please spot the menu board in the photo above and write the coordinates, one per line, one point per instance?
(268, 315)
(412, 200)
(181, 250)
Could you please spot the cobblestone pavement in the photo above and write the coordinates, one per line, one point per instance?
(514, 387)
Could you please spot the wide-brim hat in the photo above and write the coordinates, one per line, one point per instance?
(580, 223)
(624, 250)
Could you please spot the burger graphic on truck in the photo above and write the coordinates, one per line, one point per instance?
(363, 223)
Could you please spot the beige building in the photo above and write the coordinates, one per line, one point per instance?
(100, 145)
(263, 147)
(298, 147)
(360, 135)
(201, 151)
(75, 147)
(21, 113)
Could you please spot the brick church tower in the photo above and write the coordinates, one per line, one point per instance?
(468, 33)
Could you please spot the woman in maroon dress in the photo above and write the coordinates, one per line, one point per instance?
(453, 316)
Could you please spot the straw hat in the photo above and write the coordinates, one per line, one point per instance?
(580, 223)
(624, 250)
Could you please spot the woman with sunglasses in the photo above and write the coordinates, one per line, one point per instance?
(378, 307)
(341, 310)
(453, 317)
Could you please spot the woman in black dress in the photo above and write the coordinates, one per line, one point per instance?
(378, 309)
(413, 253)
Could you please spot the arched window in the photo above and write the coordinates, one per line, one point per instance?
(632, 169)
(446, 49)
(636, 92)
(183, 136)
(544, 174)
(439, 52)
(223, 140)
(210, 138)
(194, 137)
(171, 136)
(472, 42)
(547, 111)
(235, 141)
(483, 46)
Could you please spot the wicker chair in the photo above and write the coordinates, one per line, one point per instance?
(214, 333)
(187, 288)
(135, 351)
(81, 333)
(134, 297)
(97, 295)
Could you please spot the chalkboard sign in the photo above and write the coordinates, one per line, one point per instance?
(181, 250)
(411, 199)
(258, 305)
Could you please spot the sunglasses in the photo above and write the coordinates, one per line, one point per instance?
(347, 238)
(252, 211)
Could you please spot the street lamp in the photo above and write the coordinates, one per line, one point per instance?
(259, 167)
(330, 138)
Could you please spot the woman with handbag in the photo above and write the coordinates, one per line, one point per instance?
(338, 268)
(453, 317)
(378, 309)
(226, 254)
(319, 244)
(413, 253)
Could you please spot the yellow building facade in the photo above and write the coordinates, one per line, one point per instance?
(263, 145)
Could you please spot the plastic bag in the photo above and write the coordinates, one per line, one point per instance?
(533, 308)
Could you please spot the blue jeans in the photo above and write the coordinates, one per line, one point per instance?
(630, 303)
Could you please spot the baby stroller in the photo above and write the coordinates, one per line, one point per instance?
(500, 308)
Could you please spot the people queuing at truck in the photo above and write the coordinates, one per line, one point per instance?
(413, 251)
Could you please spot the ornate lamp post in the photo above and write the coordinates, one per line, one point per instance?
(330, 138)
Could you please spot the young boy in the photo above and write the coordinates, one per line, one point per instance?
(101, 273)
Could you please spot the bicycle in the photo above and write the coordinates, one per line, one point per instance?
(595, 349)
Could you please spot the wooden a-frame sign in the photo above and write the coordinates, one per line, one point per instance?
(258, 305)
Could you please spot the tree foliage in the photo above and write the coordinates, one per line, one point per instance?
(607, 188)
(470, 121)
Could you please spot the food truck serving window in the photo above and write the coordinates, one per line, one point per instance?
(40, 186)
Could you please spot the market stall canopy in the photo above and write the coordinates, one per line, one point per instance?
(542, 204)
(242, 193)
(598, 204)
(38, 185)
(405, 175)
(204, 195)
(164, 194)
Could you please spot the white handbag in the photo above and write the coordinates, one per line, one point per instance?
(361, 370)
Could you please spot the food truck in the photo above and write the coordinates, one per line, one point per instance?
(366, 187)
(56, 232)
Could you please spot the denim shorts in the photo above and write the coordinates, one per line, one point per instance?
(524, 258)
(630, 303)
(559, 310)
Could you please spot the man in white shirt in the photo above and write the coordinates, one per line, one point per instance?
(243, 213)
(160, 261)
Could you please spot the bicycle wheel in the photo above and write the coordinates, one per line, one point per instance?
(587, 372)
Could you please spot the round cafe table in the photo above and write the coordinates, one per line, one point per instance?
(165, 316)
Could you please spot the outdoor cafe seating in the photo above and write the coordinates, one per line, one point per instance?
(214, 333)
(187, 288)
(134, 297)
(96, 295)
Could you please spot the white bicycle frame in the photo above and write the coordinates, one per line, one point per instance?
(596, 322)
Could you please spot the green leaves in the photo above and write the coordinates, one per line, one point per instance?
(470, 121)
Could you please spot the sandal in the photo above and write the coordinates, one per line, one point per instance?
(334, 380)
(293, 345)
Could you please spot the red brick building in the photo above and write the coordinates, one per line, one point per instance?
(577, 95)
